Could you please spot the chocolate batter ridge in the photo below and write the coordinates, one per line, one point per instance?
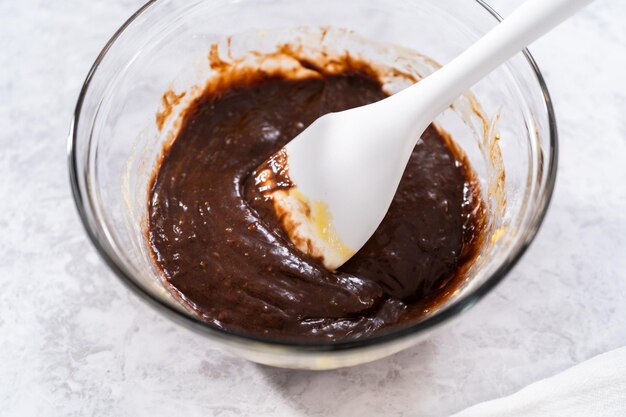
(223, 251)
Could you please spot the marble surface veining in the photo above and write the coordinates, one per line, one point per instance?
(75, 342)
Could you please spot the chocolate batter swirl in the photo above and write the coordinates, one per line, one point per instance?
(222, 250)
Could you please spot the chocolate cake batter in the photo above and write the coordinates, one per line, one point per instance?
(222, 250)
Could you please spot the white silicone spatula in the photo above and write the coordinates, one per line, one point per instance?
(345, 167)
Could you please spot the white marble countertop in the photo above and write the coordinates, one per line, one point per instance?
(75, 342)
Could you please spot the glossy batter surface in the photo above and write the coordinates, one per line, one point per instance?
(223, 252)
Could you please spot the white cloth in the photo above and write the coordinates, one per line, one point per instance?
(594, 388)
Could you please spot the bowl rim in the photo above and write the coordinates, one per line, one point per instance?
(196, 324)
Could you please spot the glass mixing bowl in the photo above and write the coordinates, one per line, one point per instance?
(505, 126)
